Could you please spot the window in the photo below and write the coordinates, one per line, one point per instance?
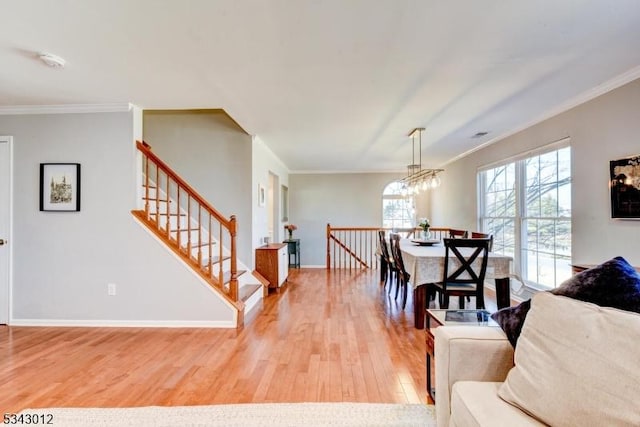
(398, 211)
(526, 205)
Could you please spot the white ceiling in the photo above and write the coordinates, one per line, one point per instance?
(328, 85)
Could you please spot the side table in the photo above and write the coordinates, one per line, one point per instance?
(294, 249)
(436, 318)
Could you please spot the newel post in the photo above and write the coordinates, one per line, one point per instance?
(328, 247)
(233, 284)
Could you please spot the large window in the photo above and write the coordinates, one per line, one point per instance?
(526, 205)
(398, 211)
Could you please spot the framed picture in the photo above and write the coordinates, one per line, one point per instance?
(60, 187)
(262, 195)
(625, 187)
(284, 197)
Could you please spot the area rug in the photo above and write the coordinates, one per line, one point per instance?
(237, 415)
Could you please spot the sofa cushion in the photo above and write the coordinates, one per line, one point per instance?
(576, 364)
(614, 283)
(475, 403)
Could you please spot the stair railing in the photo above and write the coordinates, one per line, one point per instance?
(357, 247)
(193, 228)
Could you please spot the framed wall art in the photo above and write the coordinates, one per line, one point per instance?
(625, 187)
(262, 195)
(60, 187)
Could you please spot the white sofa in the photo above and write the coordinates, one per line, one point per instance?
(575, 364)
(471, 363)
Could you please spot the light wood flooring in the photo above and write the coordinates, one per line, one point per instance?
(326, 337)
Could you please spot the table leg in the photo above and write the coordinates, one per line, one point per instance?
(419, 305)
(503, 292)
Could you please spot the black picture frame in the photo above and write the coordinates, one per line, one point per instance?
(60, 187)
(625, 187)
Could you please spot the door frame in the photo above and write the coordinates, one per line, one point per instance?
(5, 308)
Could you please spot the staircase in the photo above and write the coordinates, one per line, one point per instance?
(202, 237)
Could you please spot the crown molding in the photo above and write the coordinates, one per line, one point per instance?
(65, 109)
(576, 101)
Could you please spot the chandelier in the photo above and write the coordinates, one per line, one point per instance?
(418, 179)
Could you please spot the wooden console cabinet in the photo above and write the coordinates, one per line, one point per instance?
(272, 262)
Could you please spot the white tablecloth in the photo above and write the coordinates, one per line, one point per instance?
(426, 263)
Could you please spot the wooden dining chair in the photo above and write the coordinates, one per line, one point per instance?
(478, 235)
(461, 277)
(458, 234)
(402, 275)
(389, 269)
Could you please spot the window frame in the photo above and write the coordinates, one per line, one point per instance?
(521, 215)
(398, 196)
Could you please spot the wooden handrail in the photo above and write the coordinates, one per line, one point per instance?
(364, 255)
(350, 252)
(195, 240)
(146, 150)
(353, 247)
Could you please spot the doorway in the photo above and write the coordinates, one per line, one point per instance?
(5, 226)
(273, 200)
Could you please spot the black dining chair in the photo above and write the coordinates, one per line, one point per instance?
(465, 267)
(458, 234)
(478, 235)
(388, 267)
(402, 276)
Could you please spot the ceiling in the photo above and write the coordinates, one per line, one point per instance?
(328, 85)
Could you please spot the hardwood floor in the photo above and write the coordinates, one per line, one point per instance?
(326, 337)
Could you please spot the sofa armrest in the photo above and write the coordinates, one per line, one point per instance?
(468, 353)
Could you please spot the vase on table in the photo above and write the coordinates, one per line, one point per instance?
(290, 234)
(425, 234)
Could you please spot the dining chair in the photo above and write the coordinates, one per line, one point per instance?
(402, 276)
(465, 267)
(389, 269)
(478, 235)
(458, 234)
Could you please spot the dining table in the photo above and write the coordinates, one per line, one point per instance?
(424, 261)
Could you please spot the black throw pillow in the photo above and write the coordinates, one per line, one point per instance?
(614, 283)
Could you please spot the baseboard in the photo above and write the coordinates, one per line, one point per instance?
(123, 323)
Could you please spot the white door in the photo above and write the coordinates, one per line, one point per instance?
(5, 226)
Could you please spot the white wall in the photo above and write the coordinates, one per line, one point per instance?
(265, 162)
(341, 200)
(63, 261)
(213, 154)
(603, 129)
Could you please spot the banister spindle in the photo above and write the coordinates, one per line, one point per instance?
(145, 160)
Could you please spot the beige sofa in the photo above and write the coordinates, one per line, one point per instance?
(576, 364)
(471, 363)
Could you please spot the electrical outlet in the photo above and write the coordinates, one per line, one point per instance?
(111, 289)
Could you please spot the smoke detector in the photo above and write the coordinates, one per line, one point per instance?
(53, 61)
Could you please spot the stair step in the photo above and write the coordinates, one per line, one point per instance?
(165, 214)
(153, 199)
(245, 292)
(214, 260)
(200, 245)
(226, 276)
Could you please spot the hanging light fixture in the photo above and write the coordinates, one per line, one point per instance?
(417, 178)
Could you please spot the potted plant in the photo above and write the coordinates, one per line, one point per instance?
(290, 228)
(425, 225)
